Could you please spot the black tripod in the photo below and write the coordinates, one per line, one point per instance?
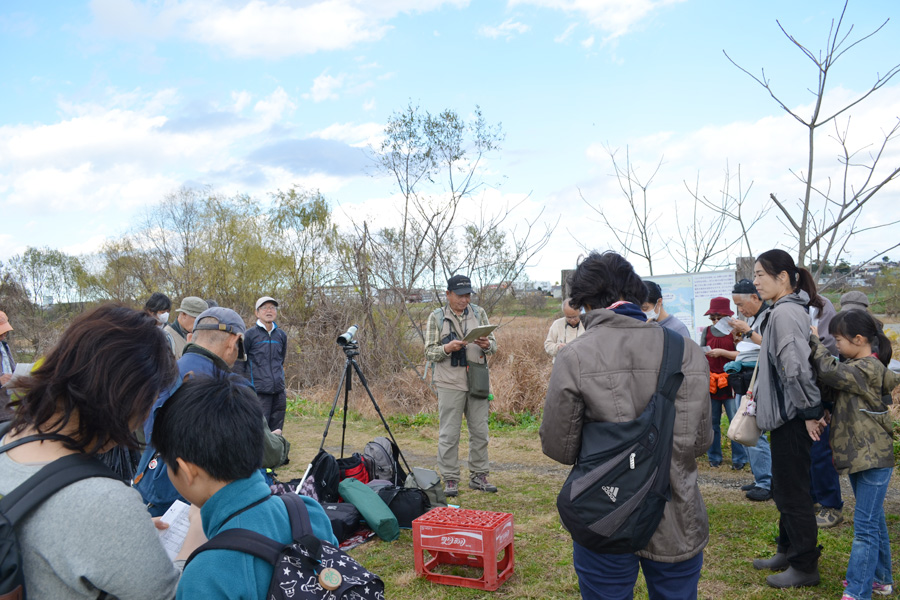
(351, 349)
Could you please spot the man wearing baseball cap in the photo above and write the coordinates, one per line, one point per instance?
(455, 362)
(266, 347)
(190, 309)
(9, 367)
(217, 342)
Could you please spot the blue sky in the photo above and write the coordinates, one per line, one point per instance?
(109, 105)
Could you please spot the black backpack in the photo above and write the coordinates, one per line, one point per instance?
(305, 570)
(16, 505)
(325, 475)
(615, 495)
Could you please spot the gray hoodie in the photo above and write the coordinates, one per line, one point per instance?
(786, 382)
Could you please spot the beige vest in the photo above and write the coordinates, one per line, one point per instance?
(178, 342)
(446, 375)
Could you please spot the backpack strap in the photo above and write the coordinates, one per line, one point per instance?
(49, 480)
(263, 547)
(34, 438)
(670, 375)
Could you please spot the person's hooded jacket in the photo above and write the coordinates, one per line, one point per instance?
(608, 374)
(785, 382)
(862, 432)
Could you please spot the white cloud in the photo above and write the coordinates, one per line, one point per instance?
(614, 17)
(587, 42)
(270, 29)
(358, 136)
(325, 87)
(369, 105)
(565, 34)
(507, 29)
(110, 157)
(87, 246)
(241, 100)
(274, 107)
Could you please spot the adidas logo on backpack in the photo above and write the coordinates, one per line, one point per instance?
(612, 492)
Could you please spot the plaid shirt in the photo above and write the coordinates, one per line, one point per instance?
(434, 350)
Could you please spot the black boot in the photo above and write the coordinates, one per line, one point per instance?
(778, 562)
(793, 578)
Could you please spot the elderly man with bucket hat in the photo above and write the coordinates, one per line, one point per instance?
(190, 309)
(9, 367)
(461, 380)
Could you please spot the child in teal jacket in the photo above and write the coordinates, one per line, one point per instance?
(208, 434)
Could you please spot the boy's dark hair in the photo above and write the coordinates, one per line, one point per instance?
(654, 293)
(850, 323)
(105, 373)
(158, 302)
(214, 423)
(775, 261)
(602, 279)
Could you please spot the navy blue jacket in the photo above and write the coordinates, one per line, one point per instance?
(152, 480)
(264, 367)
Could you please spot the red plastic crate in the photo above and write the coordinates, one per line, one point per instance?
(471, 538)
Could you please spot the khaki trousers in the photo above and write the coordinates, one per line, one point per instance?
(452, 405)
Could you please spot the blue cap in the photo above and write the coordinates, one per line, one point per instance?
(228, 321)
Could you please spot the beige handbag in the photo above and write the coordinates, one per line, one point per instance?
(743, 428)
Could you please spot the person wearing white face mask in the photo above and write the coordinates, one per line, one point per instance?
(655, 311)
(158, 305)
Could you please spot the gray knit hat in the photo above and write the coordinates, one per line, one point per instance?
(854, 300)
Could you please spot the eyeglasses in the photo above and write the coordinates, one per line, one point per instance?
(715, 317)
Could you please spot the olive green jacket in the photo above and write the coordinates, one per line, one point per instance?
(861, 428)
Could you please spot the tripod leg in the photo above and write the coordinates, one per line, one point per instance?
(348, 377)
(334, 405)
(328, 423)
(362, 380)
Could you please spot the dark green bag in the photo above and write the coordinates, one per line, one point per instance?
(479, 379)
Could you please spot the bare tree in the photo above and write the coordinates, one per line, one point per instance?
(708, 236)
(636, 236)
(823, 219)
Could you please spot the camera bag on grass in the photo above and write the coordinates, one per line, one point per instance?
(615, 495)
(19, 503)
(375, 512)
(305, 570)
(407, 504)
(345, 519)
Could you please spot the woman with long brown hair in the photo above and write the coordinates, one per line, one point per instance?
(93, 537)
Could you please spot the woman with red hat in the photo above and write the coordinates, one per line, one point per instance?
(719, 348)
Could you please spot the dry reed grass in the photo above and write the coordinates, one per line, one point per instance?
(519, 373)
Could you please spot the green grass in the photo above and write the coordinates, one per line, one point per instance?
(739, 530)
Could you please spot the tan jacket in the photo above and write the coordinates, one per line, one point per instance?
(560, 333)
(608, 374)
(175, 341)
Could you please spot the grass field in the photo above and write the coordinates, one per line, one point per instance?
(740, 530)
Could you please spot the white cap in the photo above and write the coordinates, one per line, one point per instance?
(265, 299)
